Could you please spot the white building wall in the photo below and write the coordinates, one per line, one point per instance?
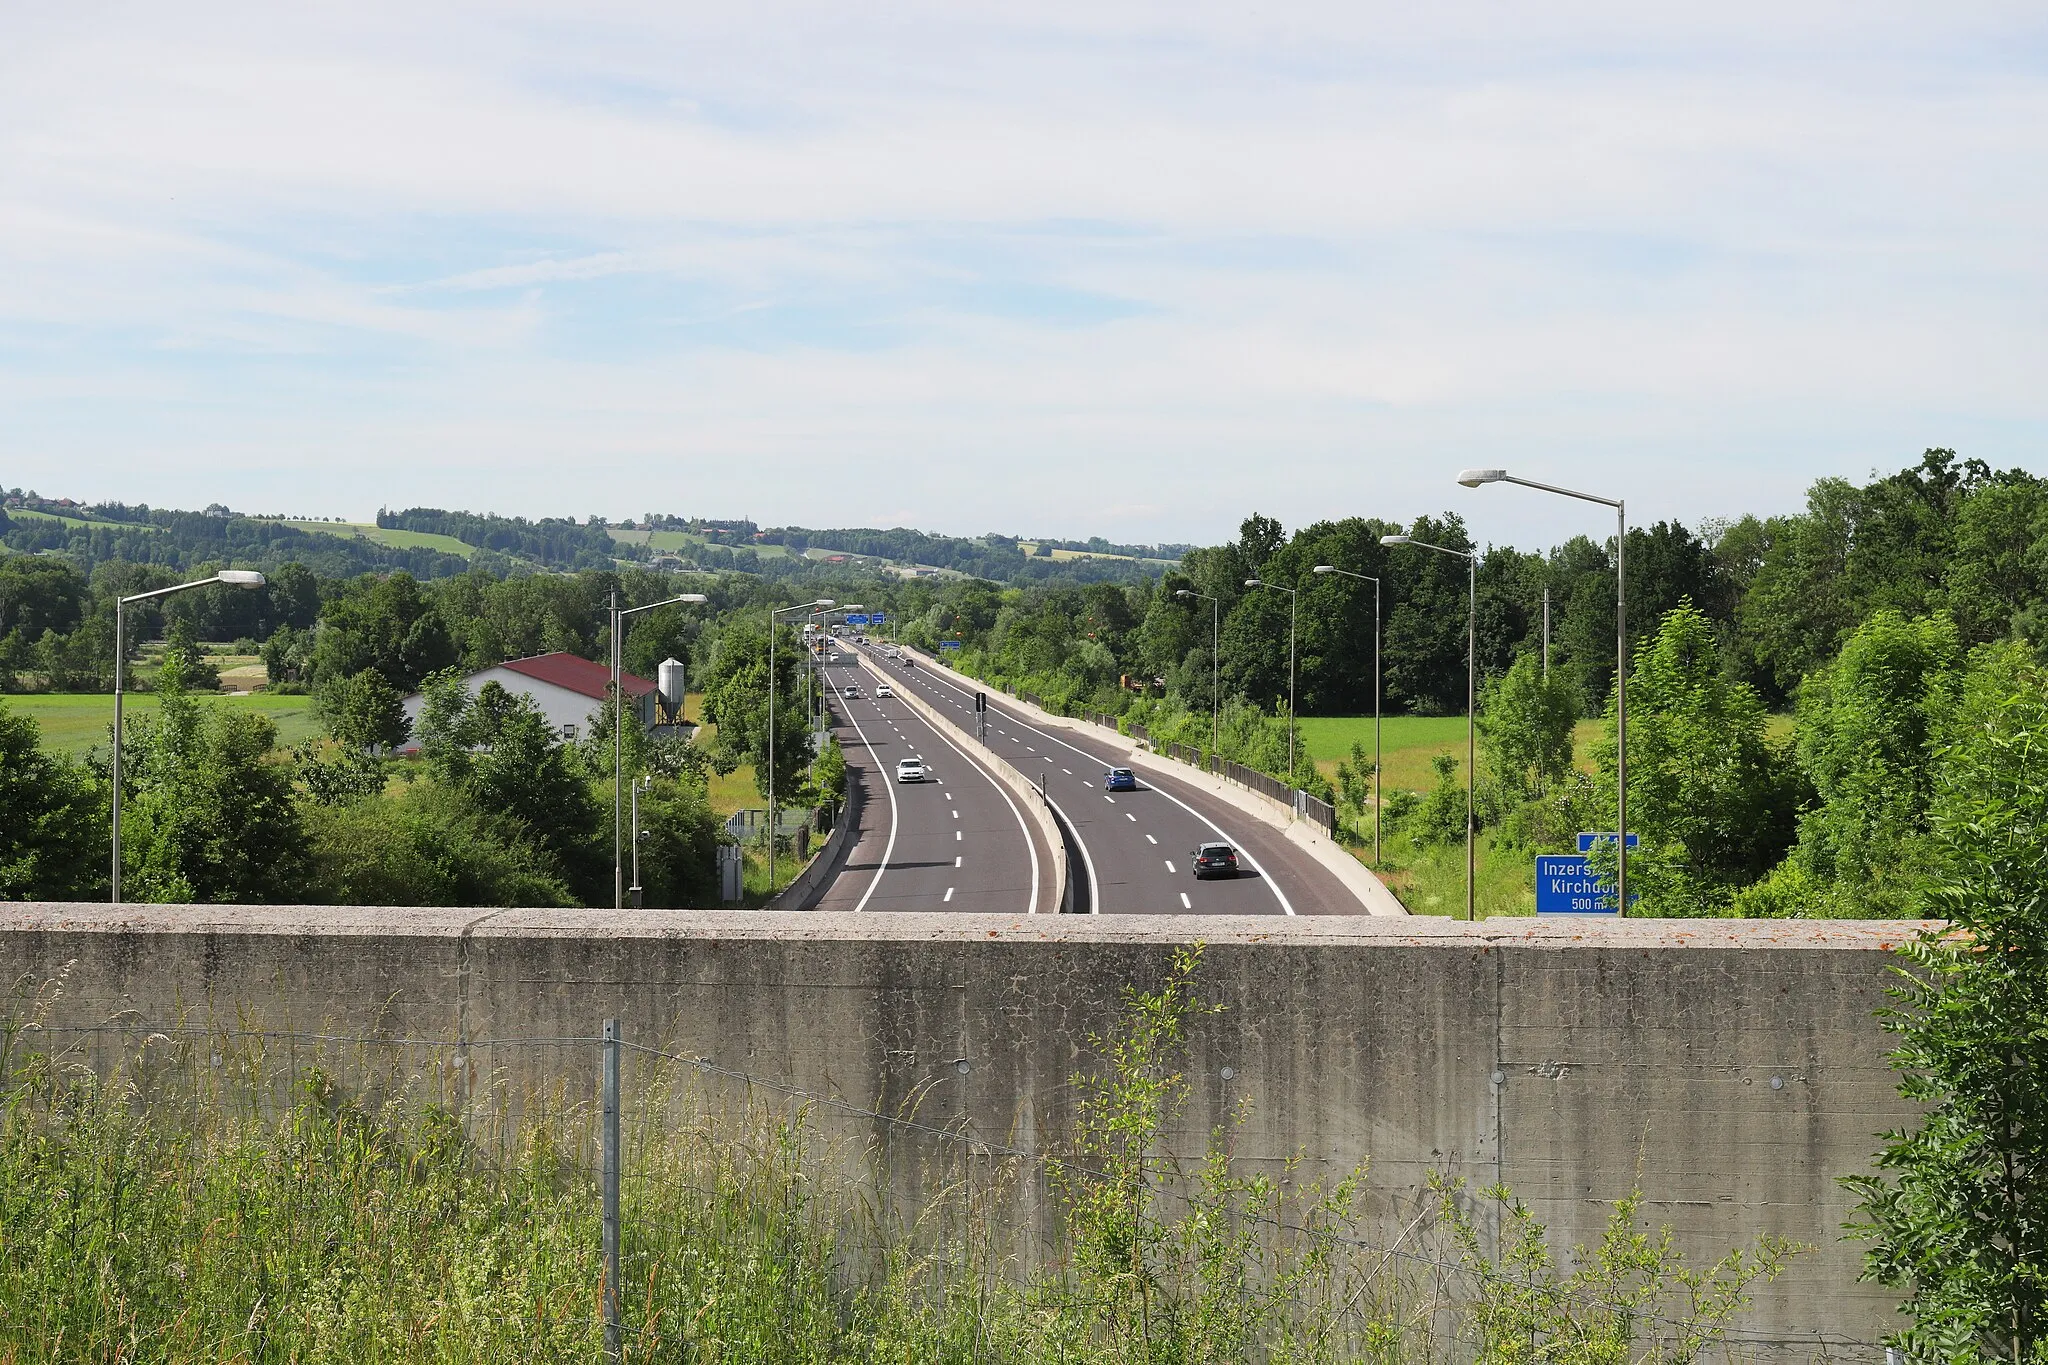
(562, 707)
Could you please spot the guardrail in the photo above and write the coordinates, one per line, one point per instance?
(1307, 821)
(1029, 792)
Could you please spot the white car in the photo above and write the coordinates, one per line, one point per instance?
(882, 690)
(910, 770)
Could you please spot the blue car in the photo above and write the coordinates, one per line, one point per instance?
(1120, 780)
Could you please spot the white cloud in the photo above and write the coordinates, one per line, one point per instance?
(1127, 269)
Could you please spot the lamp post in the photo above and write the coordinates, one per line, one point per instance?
(1472, 478)
(1293, 598)
(619, 731)
(1471, 558)
(774, 612)
(239, 578)
(641, 786)
(1376, 803)
(1215, 660)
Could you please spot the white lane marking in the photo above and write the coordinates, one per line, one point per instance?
(1110, 799)
(1150, 840)
(956, 815)
(956, 860)
(1030, 848)
(1068, 771)
(889, 847)
(1130, 817)
(1286, 906)
(1185, 903)
(1169, 864)
(949, 894)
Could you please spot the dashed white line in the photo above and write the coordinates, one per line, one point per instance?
(1150, 840)
(1068, 771)
(949, 894)
(956, 860)
(1169, 864)
(956, 836)
(1130, 817)
(956, 815)
(1185, 903)
(1110, 799)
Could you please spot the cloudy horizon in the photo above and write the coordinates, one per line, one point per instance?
(1120, 270)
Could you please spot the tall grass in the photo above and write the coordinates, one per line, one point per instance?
(204, 1198)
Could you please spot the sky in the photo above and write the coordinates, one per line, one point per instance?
(1059, 269)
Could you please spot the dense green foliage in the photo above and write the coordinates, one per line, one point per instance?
(1958, 1214)
(555, 542)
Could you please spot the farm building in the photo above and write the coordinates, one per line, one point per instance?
(566, 687)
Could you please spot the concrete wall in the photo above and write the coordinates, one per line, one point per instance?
(1558, 1057)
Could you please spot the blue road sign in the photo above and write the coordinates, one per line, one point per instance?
(878, 618)
(854, 618)
(1565, 886)
(1586, 840)
(949, 644)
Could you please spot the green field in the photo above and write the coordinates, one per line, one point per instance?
(398, 540)
(27, 515)
(76, 723)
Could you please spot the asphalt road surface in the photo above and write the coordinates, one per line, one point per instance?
(955, 841)
(1135, 846)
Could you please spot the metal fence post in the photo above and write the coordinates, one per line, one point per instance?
(614, 1330)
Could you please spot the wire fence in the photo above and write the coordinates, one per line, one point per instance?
(677, 1172)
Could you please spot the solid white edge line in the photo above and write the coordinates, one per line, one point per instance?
(889, 847)
(1030, 906)
(1285, 905)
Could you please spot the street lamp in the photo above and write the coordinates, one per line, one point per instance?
(1215, 660)
(1472, 478)
(1471, 558)
(238, 578)
(1376, 802)
(1293, 598)
(774, 612)
(618, 734)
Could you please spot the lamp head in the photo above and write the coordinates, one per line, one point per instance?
(1182, 592)
(1472, 478)
(1324, 568)
(691, 597)
(822, 602)
(1394, 540)
(240, 578)
(1253, 583)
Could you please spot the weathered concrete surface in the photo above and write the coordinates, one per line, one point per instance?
(1615, 1045)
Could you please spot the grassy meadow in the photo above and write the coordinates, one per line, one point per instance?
(75, 723)
(1431, 881)
(399, 540)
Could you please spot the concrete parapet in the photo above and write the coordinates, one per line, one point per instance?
(1733, 1067)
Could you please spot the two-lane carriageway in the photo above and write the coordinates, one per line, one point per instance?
(1134, 846)
(955, 841)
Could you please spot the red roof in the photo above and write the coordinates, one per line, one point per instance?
(577, 674)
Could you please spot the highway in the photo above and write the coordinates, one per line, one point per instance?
(955, 841)
(1134, 846)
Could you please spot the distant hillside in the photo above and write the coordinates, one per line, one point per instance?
(431, 542)
(187, 540)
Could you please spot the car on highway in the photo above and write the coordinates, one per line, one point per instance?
(882, 690)
(1214, 860)
(1120, 780)
(910, 770)
(851, 691)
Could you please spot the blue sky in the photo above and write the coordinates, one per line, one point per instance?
(1128, 270)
